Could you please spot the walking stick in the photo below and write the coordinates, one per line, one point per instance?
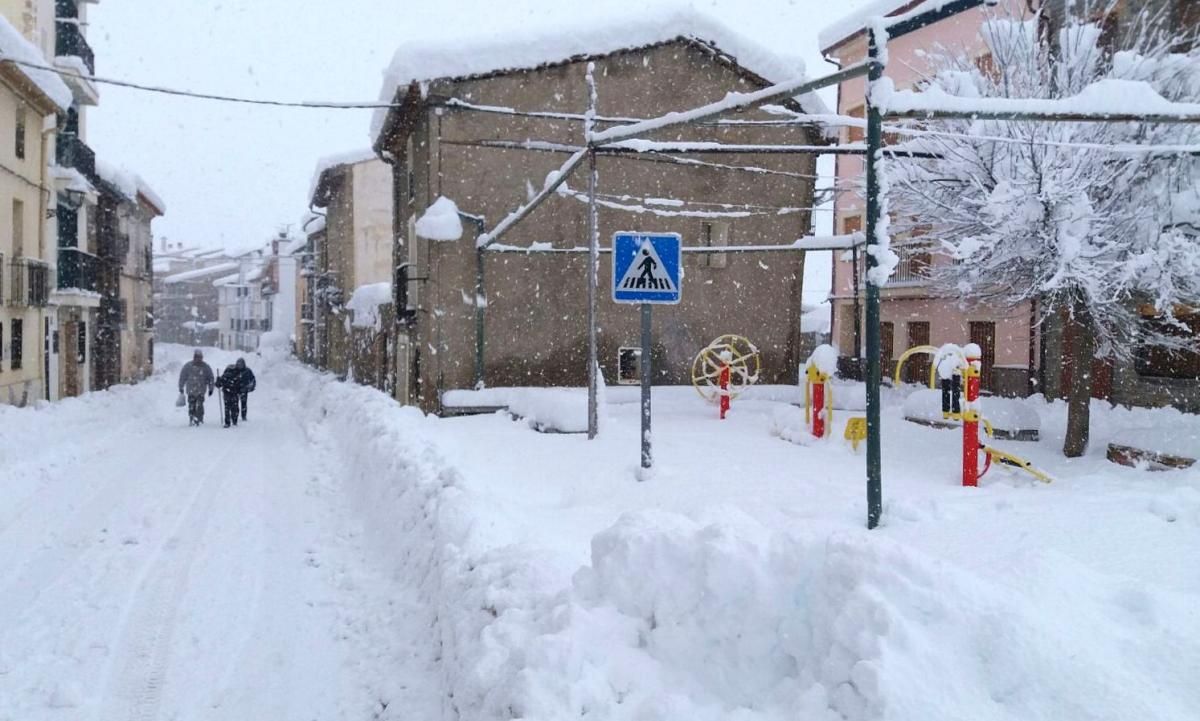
(221, 405)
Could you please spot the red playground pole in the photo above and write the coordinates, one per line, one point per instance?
(971, 417)
(724, 391)
(818, 403)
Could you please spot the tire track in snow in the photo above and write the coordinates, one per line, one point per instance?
(148, 625)
(63, 550)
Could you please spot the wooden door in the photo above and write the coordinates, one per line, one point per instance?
(983, 334)
(69, 335)
(887, 347)
(916, 369)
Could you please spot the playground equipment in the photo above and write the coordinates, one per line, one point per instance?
(725, 368)
(856, 431)
(818, 393)
(958, 373)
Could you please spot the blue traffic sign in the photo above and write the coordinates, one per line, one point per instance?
(647, 267)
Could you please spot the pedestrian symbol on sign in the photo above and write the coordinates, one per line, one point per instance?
(646, 268)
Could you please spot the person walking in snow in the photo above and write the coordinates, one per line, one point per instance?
(194, 379)
(230, 383)
(247, 383)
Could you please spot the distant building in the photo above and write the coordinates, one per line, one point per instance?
(185, 298)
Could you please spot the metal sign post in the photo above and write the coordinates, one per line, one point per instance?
(647, 270)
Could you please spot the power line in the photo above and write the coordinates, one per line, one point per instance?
(312, 104)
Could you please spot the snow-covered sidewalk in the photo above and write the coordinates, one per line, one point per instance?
(156, 571)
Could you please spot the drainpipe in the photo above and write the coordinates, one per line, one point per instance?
(480, 228)
(49, 126)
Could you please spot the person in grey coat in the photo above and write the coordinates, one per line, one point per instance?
(194, 379)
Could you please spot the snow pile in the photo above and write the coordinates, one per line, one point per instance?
(581, 34)
(367, 302)
(816, 320)
(129, 184)
(824, 358)
(1005, 414)
(274, 347)
(560, 410)
(1181, 441)
(440, 221)
(848, 396)
(14, 46)
(788, 423)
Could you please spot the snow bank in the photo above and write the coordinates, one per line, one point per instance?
(559, 410)
(1182, 441)
(366, 301)
(440, 221)
(1010, 415)
(580, 33)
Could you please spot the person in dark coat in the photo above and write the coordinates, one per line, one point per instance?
(194, 379)
(247, 383)
(230, 384)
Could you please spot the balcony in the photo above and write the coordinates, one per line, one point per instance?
(71, 152)
(69, 42)
(77, 270)
(913, 268)
(28, 283)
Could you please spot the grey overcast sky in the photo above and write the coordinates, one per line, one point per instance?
(231, 174)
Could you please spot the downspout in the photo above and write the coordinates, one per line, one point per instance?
(49, 126)
(480, 228)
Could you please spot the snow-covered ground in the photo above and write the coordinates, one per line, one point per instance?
(156, 571)
(340, 550)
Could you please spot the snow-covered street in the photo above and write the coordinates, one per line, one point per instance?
(342, 557)
(156, 571)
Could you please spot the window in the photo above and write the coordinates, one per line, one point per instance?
(715, 235)
(20, 134)
(856, 134)
(18, 228)
(18, 341)
(629, 369)
(1159, 362)
(81, 344)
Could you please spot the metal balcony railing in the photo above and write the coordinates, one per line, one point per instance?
(69, 42)
(77, 270)
(913, 268)
(28, 283)
(71, 152)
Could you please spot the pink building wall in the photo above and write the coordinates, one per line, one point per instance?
(907, 302)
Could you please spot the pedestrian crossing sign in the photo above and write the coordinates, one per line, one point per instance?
(647, 267)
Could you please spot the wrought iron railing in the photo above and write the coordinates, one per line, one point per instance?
(69, 42)
(28, 282)
(77, 270)
(71, 152)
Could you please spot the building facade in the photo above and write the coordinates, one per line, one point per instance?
(31, 105)
(124, 351)
(912, 312)
(528, 326)
(354, 253)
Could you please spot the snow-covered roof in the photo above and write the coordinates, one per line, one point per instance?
(329, 162)
(1110, 96)
(129, 184)
(74, 180)
(14, 46)
(311, 223)
(200, 273)
(853, 23)
(424, 59)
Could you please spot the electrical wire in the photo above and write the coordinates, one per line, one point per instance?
(310, 104)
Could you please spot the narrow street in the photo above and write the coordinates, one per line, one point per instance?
(156, 571)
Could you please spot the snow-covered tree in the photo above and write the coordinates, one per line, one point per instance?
(1089, 221)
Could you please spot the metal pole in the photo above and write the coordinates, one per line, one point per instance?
(874, 141)
(593, 270)
(479, 318)
(593, 260)
(647, 458)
